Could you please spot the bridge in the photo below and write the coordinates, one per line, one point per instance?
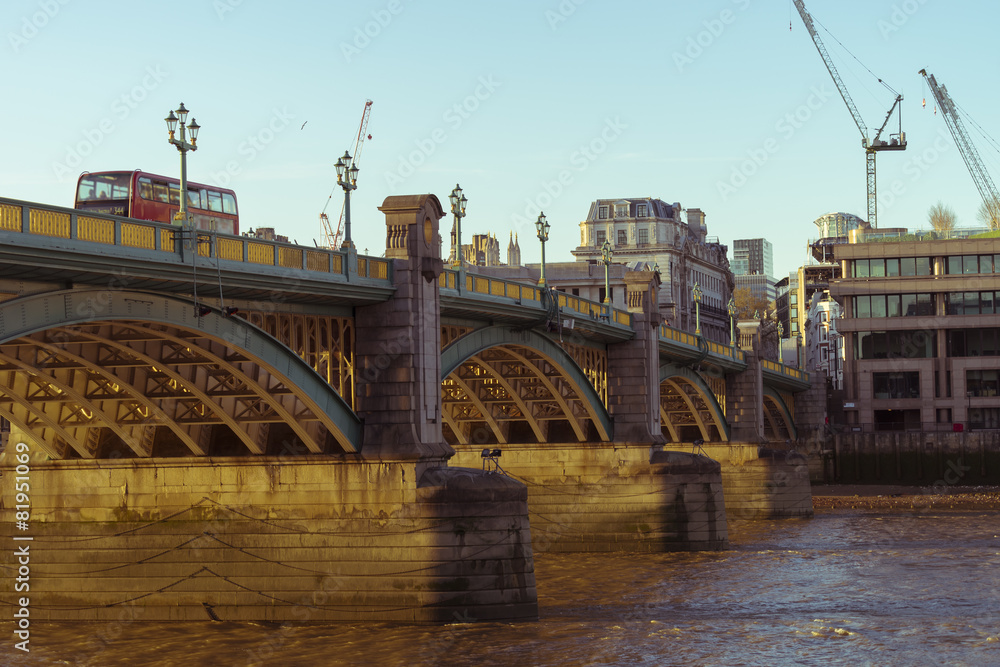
(163, 378)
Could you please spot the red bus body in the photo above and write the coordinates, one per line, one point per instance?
(145, 196)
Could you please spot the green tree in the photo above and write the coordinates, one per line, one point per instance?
(941, 217)
(747, 303)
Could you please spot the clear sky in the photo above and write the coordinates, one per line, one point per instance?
(541, 105)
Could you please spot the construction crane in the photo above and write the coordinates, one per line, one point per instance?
(987, 190)
(331, 239)
(897, 142)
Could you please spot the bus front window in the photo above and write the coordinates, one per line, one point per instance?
(98, 187)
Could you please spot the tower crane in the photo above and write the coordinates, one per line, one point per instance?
(987, 190)
(897, 142)
(331, 239)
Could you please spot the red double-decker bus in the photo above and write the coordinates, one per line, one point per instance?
(137, 194)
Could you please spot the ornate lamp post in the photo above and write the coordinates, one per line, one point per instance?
(781, 331)
(347, 178)
(696, 294)
(731, 307)
(458, 202)
(542, 227)
(606, 254)
(183, 147)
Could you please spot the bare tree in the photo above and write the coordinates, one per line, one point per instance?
(941, 217)
(989, 213)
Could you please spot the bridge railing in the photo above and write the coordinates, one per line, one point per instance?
(72, 224)
(491, 286)
(786, 371)
(687, 338)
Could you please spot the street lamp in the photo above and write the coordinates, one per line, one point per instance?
(458, 202)
(183, 147)
(781, 332)
(347, 178)
(542, 226)
(696, 294)
(606, 255)
(731, 307)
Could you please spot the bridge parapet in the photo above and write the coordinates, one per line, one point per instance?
(685, 346)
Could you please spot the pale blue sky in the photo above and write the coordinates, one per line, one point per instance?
(662, 99)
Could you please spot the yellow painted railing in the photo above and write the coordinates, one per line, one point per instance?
(669, 333)
(155, 236)
(788, 371)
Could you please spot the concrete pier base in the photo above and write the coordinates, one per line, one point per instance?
(276, 539)
(615, 496)
(759, 482)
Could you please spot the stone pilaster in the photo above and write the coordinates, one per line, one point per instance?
(745, 391)
(634, 382)
(398, 343)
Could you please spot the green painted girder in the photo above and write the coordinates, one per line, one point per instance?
(475, 342)
(671, 370)
(38, 312)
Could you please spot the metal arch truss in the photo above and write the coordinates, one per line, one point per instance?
(500, 386)
(688, 413)
(86, 389)
(777, 418)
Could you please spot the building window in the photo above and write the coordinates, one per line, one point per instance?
(621, 210)
(895, 344)
(982, 382)
(896, 385)
(602, 212)
(602, 236)
(643, 236)
(622, 237)
(641, 211)
(601, 294)
(576, 291)
(973, 342)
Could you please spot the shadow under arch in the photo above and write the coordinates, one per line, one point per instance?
(291, 391)
(579, 403)
(675, 377)
(773, 399)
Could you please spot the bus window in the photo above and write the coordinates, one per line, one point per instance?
(194, 198)
(160, 192)
(175, 195)
(214, 201)
(103, 186)
(145, 188)
(228, 203)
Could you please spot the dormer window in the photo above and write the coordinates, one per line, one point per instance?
(621, 210)
(602, 212)
(640, 211)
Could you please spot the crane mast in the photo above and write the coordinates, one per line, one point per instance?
(331, 238)
(987, 190)
(897, 142)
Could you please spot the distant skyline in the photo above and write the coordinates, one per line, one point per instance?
(530, 106)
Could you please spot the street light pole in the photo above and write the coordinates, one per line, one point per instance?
(731, 308)
(542, 227)
(781, 331)
(606, 255)
(347, 178)
(183, 147)
(696, 294)
(458, 202)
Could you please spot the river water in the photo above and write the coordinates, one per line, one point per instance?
(843, 588)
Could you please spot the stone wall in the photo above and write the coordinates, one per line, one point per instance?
(614, 496)
(273, 539)
(917, 458)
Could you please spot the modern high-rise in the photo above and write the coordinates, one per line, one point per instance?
(753, 256)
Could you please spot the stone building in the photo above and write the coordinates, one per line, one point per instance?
(921, 329)
(673, 241)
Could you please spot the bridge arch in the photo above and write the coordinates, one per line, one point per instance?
(501, 384)
(777, 417)
(79, 366)
(688, 408)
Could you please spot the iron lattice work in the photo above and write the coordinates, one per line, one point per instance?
(512, 393)
(450, 333)
(685, 414)
(594, 363)
(775, 424)
(718, 386)
(325, 343)
(140, 389)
